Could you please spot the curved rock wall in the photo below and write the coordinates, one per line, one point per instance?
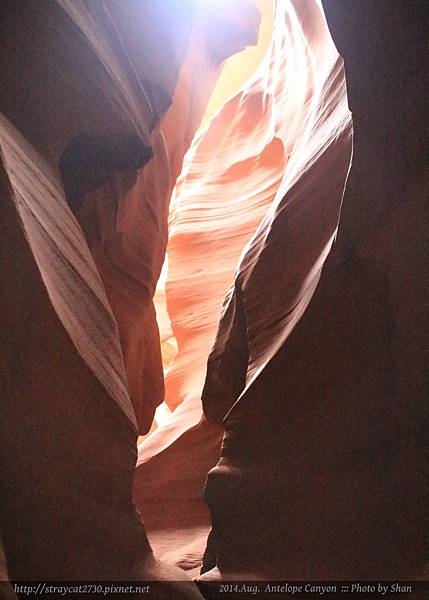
(125, 219)
(68, 428)
(258, 165)
(80, 363)
(323, 469)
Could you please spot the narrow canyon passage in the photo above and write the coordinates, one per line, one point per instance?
(283, 119)
(214, 291)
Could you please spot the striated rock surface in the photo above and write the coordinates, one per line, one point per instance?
(81, 362)
(67, 454)
(323, 469)
(114, 114)
(243, 174)
(68, 429)
(318, 386)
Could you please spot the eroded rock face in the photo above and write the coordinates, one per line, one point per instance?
(81, 363)
(125, 218)
(67, 454)
(289, 120)
(324, 463)
(325, 399)
(89, 98)
(229, 178)
(68, 425)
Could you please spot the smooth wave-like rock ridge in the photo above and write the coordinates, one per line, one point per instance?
(323, 466)
(258, 202)
(81, 363)
(254, 184)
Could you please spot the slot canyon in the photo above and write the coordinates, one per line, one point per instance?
(214, 303)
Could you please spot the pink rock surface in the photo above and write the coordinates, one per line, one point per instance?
(324, 471)
(293, 112)
(254, 185)
(254, 214)
(93, 351)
